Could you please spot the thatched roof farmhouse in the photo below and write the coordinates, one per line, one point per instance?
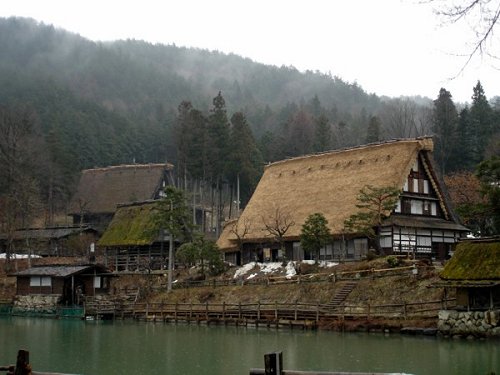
(474, 271)
(329, 183)
(100, 190)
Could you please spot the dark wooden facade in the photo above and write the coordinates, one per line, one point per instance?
(50, 241)
(71, 283)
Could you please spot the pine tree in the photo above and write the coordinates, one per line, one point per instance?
(244, 158)
(218, 138)
(315, 234)
(481, 116)
(322, 134)
(373, 131)
(444, 126)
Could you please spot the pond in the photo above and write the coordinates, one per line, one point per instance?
(128, 347)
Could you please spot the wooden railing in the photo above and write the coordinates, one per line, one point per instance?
(297, 279)
(270, 312)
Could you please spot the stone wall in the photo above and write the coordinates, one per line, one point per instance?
(36, 303)
(469, 323)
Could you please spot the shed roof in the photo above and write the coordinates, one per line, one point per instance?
(47, 233)
(329, 183)
(474, 260)
(132, 225)
(59, 271)
(101, 190)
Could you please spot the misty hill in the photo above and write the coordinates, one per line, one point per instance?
(142, 81)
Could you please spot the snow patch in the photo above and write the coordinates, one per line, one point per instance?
(290, 270)
(243, 270)
(18, 256)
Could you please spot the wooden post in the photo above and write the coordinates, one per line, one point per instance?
(23, 363)
(295, 315)
(317, 313)
(273, 363)
(206, 311)
(175, 312)
(276, 310)
(224, 311)
(239, 310)
(258, 310)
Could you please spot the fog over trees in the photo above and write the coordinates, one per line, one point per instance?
(77, 104)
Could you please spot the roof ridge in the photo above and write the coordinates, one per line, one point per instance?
(352, 148)
(126, 166)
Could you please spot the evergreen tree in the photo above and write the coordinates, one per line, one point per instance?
(244, 161)
(445, 120)
(373, 131)
(481, 116)
(218, 138)
(374, 204)
(315, 234)
(461, 156)
(322, 134)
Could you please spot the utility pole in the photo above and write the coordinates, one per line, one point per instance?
(170, 251)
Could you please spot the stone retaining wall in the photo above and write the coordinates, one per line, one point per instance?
(36, 303)
(469, 323)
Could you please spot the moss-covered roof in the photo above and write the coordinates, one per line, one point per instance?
(474, 261)
(132, 225)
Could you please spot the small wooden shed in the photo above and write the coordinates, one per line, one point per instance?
(71, 283)
(474, 271)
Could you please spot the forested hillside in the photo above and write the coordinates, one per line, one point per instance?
(215, 116)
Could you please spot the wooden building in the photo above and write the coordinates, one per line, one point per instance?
(50, 241)
(474, 271)
(100, 190)
(133, 240)
(70, 283)
(422, 223)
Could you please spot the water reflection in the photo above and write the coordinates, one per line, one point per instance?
(95, 348)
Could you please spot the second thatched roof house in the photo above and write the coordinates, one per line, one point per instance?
(134, 240)
(329, 183)
(100, 190)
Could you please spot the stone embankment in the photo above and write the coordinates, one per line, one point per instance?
(41, 304)
(469, 323)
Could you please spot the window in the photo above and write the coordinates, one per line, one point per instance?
(426, 187)
(40, 281)
(97, 282)
(416, 207)
(427, 208)
(398, 206)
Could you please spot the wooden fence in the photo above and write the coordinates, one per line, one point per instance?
(298, 279)
(266, 313)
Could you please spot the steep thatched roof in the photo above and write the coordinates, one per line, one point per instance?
(132, 225)
(101, 190)
(328, 183)
(474, 261)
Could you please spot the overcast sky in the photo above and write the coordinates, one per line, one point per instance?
(389, 47)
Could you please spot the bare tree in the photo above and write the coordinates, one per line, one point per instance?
(481, 16)
(278, 224)
(240, 228)
(399, 118)
(19, 150)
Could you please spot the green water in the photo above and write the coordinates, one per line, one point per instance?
(99, 348)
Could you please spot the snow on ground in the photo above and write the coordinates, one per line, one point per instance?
(275, 267)
(18, 256)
